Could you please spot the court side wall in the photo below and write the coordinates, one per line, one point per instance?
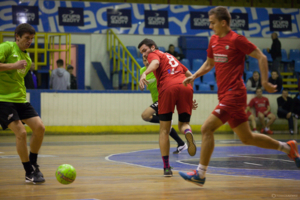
(117, 111)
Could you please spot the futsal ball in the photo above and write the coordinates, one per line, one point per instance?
(65, 174)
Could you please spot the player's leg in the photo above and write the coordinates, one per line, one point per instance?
(148, 114)
(164, 142)
(38, 130)
(249, 138)
(251, 118)
(261, 118)
(185, 128)
(271, 118)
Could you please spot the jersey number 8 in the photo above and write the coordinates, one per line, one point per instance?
(173, 63)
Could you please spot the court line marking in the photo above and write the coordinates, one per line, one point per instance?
(260, 158)
(248, 163)
(107, 158)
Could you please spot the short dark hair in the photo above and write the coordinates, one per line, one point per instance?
(171, 45)
(60, 62)
(221, 13)
(256, 72)
(258, 88)
(70, 67)
(284, 89)
(24, 28)
(148, 42)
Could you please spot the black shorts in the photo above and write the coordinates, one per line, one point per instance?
(155, 107)
(10, 112)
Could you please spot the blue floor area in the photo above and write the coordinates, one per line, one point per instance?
(230, 160)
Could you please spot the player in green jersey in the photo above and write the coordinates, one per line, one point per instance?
(14, 109)
(150, 114)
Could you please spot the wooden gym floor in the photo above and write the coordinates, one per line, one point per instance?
(130, 167)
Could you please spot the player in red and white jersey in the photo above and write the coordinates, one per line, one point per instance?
(262, 109)
(169, 73)
(226, 51)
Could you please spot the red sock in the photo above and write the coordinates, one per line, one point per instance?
(166, 161)
(254, 129)
(187, 130)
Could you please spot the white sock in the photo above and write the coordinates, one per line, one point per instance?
(201, 170)
(266, 129)
(284, 147)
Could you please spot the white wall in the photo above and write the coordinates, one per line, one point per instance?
(106, 109)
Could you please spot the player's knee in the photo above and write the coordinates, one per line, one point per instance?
(40, 130)
(22, 135)
(260, 115)
(146, 117)
(206, 130)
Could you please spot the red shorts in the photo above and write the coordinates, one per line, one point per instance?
(248, 114)
(263, 113)
(231, 108)
(179, 95)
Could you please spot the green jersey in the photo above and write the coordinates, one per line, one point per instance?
(12, 87)
(152, 86)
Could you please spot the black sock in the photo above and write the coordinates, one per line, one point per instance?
(155, 119)
(176, 137)
(28, 168)
(33, 158)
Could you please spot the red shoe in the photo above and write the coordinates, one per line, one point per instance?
(269, 132)
(294, 155)
(262, 130)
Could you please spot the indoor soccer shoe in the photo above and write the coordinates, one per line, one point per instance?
(179, 149)
(193, 177)
(168, 172)
(192, 149)
(34, 178)
(37, 169)
(294, 154)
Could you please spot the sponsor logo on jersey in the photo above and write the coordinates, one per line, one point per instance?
(220, 58)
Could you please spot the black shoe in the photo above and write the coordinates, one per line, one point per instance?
(37, 169)
(168, 172)
(34, 178)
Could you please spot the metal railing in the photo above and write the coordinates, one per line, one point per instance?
(114, 46)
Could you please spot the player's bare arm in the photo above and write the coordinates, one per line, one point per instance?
(263, 66)
(21, 64)
(151, 68)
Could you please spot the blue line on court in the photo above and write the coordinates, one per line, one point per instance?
(151, 158)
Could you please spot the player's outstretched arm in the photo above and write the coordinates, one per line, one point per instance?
(263, 66)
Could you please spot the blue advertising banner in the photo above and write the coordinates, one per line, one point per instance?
(156, 19)
(118, 18)
(239, 21)
(199, 20)
(280, 22)
(25, 14)
(180, 19)
(70, 16)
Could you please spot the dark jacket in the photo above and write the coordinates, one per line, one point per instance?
(253, 82)
(73, 82)
(277, 82)
(175, 54)
(275, 50)
(286, 105)
(296, 104)
(29, 82)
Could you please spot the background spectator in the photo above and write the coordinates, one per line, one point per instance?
(60, 78)
(172, 51)
(275, 52)
(254, 82)
(285, 106)
(73, 79)
(276, 80)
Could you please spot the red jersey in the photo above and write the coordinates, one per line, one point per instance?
(169, 72)
(260, 104)
(229, 53)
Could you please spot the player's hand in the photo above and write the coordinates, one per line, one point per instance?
(266, 112)
(195, 104)
(188, 80)
(143, 81)
(269, 87)
(21, 64)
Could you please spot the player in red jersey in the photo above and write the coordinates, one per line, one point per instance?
(262, 109)
(169, 73)
(226, 51)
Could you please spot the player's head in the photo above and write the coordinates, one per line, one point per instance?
(60, 63)
(24, 34)
(274, 35)
(255, 75)
(171, 48)
(146, 46)
(70, 69)
(285, 93)
(219, 18)
(274, 74)
(145, 61)
(258, 92)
